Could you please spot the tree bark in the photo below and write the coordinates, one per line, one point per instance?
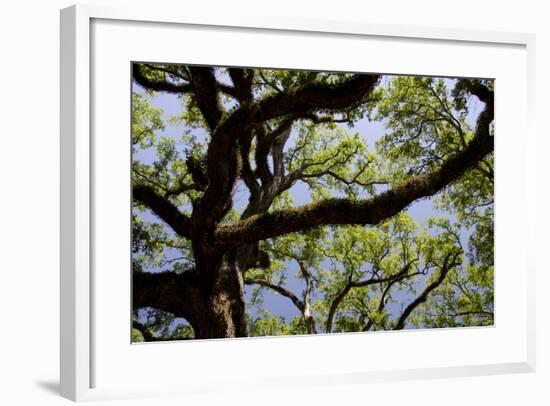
(210, 299)
(224, 307)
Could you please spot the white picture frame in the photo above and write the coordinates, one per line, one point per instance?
(77, 283)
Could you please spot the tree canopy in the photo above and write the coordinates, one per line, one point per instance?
(275, 182)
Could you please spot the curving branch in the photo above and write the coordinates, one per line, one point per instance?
(247, 173)
(475, 87)
(383, 299)
(264, 139)
(303, 174)
(299, 102)
(180, 187)
(140, 77)
(194, 166)
(345, 211)
(448, 264)
(223, 167)
(279, 289)
(358, 284)
(168, 291)
(316, 96)
(205, 89)
(242, 83)
(373, 210)
(163, 208)
(224, 162)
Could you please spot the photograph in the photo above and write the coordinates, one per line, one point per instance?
(281, 202)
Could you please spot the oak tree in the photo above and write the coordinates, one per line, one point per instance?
(364, 263)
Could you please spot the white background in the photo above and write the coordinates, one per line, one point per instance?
(30, 188)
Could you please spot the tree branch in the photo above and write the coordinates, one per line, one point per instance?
(247, 174)
(157, 85)
(223, 167)
(179, 188)
(345, 211)
(421, 298)
(315, 96)
(279, 289)
(357, 284)
(205, 88)
(242, 82)
(378, 208)
(163, 208)
(197, 172)
(224, 163)
(168, 291)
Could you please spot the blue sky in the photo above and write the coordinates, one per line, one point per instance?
(369, 131)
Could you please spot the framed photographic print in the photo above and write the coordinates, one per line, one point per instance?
(236, 203)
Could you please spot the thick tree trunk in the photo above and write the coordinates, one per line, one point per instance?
(223, 311)
(224, 316)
